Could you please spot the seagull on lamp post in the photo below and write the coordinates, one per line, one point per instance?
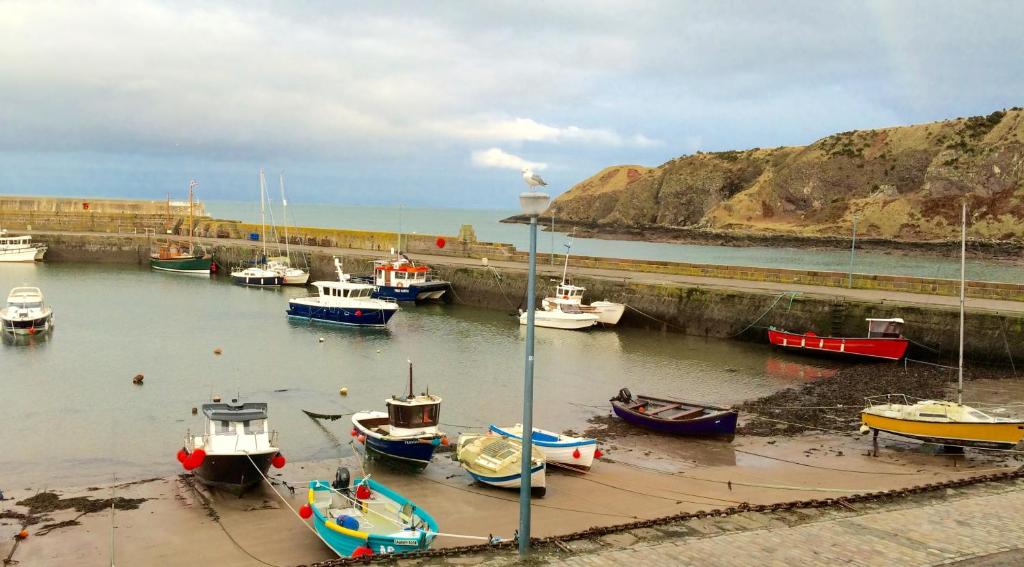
(532, 179)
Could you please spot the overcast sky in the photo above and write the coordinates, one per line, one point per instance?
(440, 104)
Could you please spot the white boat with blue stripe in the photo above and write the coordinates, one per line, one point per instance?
(343, 303)
(496, 460)
(575, 452)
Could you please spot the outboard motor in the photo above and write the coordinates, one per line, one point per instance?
(342, 480)
(625, 396)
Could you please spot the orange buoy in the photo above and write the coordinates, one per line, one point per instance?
(217, 351)
(23, 534)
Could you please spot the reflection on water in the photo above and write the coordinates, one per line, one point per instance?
(788, 371)
(70, 412)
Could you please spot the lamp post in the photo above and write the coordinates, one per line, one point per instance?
(532, 204)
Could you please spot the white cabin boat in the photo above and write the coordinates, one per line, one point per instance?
(344, 303)
(26, 312)
(19, 248)
(289, 275)
(608, 313)
(562, 316)
(236, 447)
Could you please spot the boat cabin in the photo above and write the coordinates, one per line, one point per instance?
(343, 290)
(885, 328)
(15, 242)
(570, 292)
(398, 273)
(414, 414)
(235, 426)
(25, 298)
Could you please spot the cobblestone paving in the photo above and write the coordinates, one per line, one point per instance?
(981, 530)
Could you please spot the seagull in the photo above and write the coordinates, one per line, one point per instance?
(532, 179)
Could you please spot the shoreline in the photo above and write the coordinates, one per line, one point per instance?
(1000, 251)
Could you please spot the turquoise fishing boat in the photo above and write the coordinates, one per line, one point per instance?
(367, 518)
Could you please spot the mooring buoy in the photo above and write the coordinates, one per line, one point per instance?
(343, 391)
(138, 379)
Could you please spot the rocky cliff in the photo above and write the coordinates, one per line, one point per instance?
(903, 183)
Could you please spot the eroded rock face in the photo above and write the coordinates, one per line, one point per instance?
(903, 183)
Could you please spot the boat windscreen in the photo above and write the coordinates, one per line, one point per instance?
(26, 304)
(413, 417)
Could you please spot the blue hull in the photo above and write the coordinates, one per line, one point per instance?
(404, 450)
(342, 316)
(721, 424)
(408, 293)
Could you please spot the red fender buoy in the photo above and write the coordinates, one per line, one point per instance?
(364, 551)
(440, 242)
(363, 492)
(359, 313)
(598, 454)
(576, 454)
(182, 455)
(305, 511)
(278, 461)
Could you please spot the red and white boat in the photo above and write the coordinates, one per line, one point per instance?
(885, 341)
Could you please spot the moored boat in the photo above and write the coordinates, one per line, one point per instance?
(343, 303)
(400, 279)
(676, 417)
(26, 312)
(182, 256)
(367, 518)
(290, 275)
(20, 248)
(256, 276)
(885, 341)
(563, 316)
(497, 461)
(407, 431)
(939, 421)
(608, 313)
(236, 447)
(559, 448)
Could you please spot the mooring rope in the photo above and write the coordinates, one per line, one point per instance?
(791, 294)
(653, 318)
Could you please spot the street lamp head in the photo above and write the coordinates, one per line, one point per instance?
(533, 203)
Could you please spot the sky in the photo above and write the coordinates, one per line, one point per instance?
(440, 104)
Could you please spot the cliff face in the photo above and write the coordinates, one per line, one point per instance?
(902, 183)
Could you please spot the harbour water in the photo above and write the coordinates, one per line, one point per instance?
(71, 415)
(486, 223)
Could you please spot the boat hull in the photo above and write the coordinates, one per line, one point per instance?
(561, 321)
(30, 254)
(28, 326)
(418, 450)
(720, 424)
(359, 317)
(1004, 435)
(608, 313)
(296, 279)
(538, 479)
(555, 451)
(880, 348)
(234, 472)
(430, 291)
(183, 265)
(257, 281)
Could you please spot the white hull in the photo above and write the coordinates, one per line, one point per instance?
(296, 279)
(559, 320)
(556, 448)
(608, 313)
(22, 255)
(538, 479)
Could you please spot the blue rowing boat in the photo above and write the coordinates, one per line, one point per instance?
(675, 417)
(367, 518)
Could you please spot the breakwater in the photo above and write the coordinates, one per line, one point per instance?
(991, 337)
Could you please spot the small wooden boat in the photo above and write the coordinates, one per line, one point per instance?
(671, 416)
(497, 461)
(885, 341)
(575, 452)
(367, 518)
(236, 447)
(407, 431)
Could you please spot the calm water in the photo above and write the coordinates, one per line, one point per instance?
(489, 229)
(71, 415)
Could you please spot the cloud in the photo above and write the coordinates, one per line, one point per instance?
(499, 159)
(529, 130)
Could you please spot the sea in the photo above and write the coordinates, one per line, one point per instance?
(489, 228)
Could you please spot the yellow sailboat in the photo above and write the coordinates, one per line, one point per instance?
(939, 421)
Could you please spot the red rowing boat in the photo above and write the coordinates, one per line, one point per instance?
(885, 341)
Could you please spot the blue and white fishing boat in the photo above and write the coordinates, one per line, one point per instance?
(407, 431)
(496, 460)
(367, 518)
(575, 452)
(401, 279)
(343, 303)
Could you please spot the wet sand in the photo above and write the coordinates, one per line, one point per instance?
(643, 476)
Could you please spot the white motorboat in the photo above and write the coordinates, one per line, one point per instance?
(608, 313)
(562, 316)
(257, 276)
(344, 303)
(567, 450)
(235, 448)
(496, 460)
(26, 312)
(19, 248)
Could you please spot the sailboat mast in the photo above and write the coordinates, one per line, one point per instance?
(284, 204)
(568, 247)
(410, 379)
(963, 254)
(191, 192)
(263, 216)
